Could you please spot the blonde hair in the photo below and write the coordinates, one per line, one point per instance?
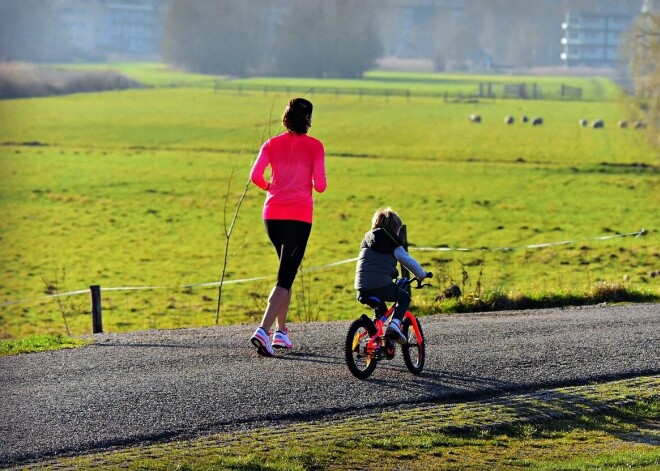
(387, 219)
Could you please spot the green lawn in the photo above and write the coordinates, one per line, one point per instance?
(127, 189)
(417, 84)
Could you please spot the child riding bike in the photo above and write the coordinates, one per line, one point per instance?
(380, 251)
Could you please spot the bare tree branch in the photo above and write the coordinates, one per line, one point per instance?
(228, 230)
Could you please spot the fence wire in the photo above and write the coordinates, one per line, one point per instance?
(325, 292)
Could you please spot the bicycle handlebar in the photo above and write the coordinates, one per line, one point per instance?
(419, 284)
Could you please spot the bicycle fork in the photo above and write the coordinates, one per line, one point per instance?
(415, 326)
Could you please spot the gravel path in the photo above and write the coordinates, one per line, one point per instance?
(150, 386)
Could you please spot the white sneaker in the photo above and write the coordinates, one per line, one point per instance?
(282, 340)
(394, 329)
(261, 340)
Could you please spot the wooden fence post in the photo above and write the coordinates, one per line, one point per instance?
(97, 321)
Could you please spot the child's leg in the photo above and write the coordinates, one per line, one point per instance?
(392, 293)
(402, 303)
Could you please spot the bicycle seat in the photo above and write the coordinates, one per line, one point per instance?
(377, 304)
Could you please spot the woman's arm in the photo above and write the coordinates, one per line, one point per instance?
(320, 182)
(258, 169)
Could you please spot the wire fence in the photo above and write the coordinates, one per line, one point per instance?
(485, 90)
(325, 292)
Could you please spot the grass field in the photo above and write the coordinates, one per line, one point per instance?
(127, 189)
(417, 84)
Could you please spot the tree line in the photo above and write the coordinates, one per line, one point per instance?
(343, 38)
(321, 38)
(511, 33)
(309, 38)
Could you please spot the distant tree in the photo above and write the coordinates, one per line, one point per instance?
(522, 37)
(327, 38)
(463, 47)
(29, 31)
(525, 43)
(643, 47)
(458, 42)
(178, 44)
(212, 36)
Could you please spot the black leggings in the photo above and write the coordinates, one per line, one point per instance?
(290, 241)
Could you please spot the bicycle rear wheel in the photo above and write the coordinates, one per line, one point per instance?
(413, 352)
(360, 363)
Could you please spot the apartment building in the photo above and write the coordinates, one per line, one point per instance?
(103, 27)
(593, 38)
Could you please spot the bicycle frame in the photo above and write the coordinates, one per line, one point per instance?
(377, 341)
(368, 342)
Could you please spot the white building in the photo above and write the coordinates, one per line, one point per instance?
(594, 38)
(103, 27)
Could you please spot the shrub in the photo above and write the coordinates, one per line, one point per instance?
(25, 80)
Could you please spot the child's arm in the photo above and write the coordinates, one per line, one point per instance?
(410, 263)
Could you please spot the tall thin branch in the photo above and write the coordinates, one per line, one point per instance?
(228, 232)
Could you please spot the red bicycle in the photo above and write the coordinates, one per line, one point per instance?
(367, 341)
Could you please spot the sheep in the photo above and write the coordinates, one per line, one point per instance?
(525, 119)
(475, 118)
(509, 120)
(537, 122)
(583, 122)
(640, 125)
(623, 123)
(599, 123)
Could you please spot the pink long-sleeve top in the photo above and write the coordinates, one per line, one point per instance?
(297, 164)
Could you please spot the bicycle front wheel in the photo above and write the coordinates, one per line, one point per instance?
(360, 363)
(413, 352)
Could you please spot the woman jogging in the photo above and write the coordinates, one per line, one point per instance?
(297, 163)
